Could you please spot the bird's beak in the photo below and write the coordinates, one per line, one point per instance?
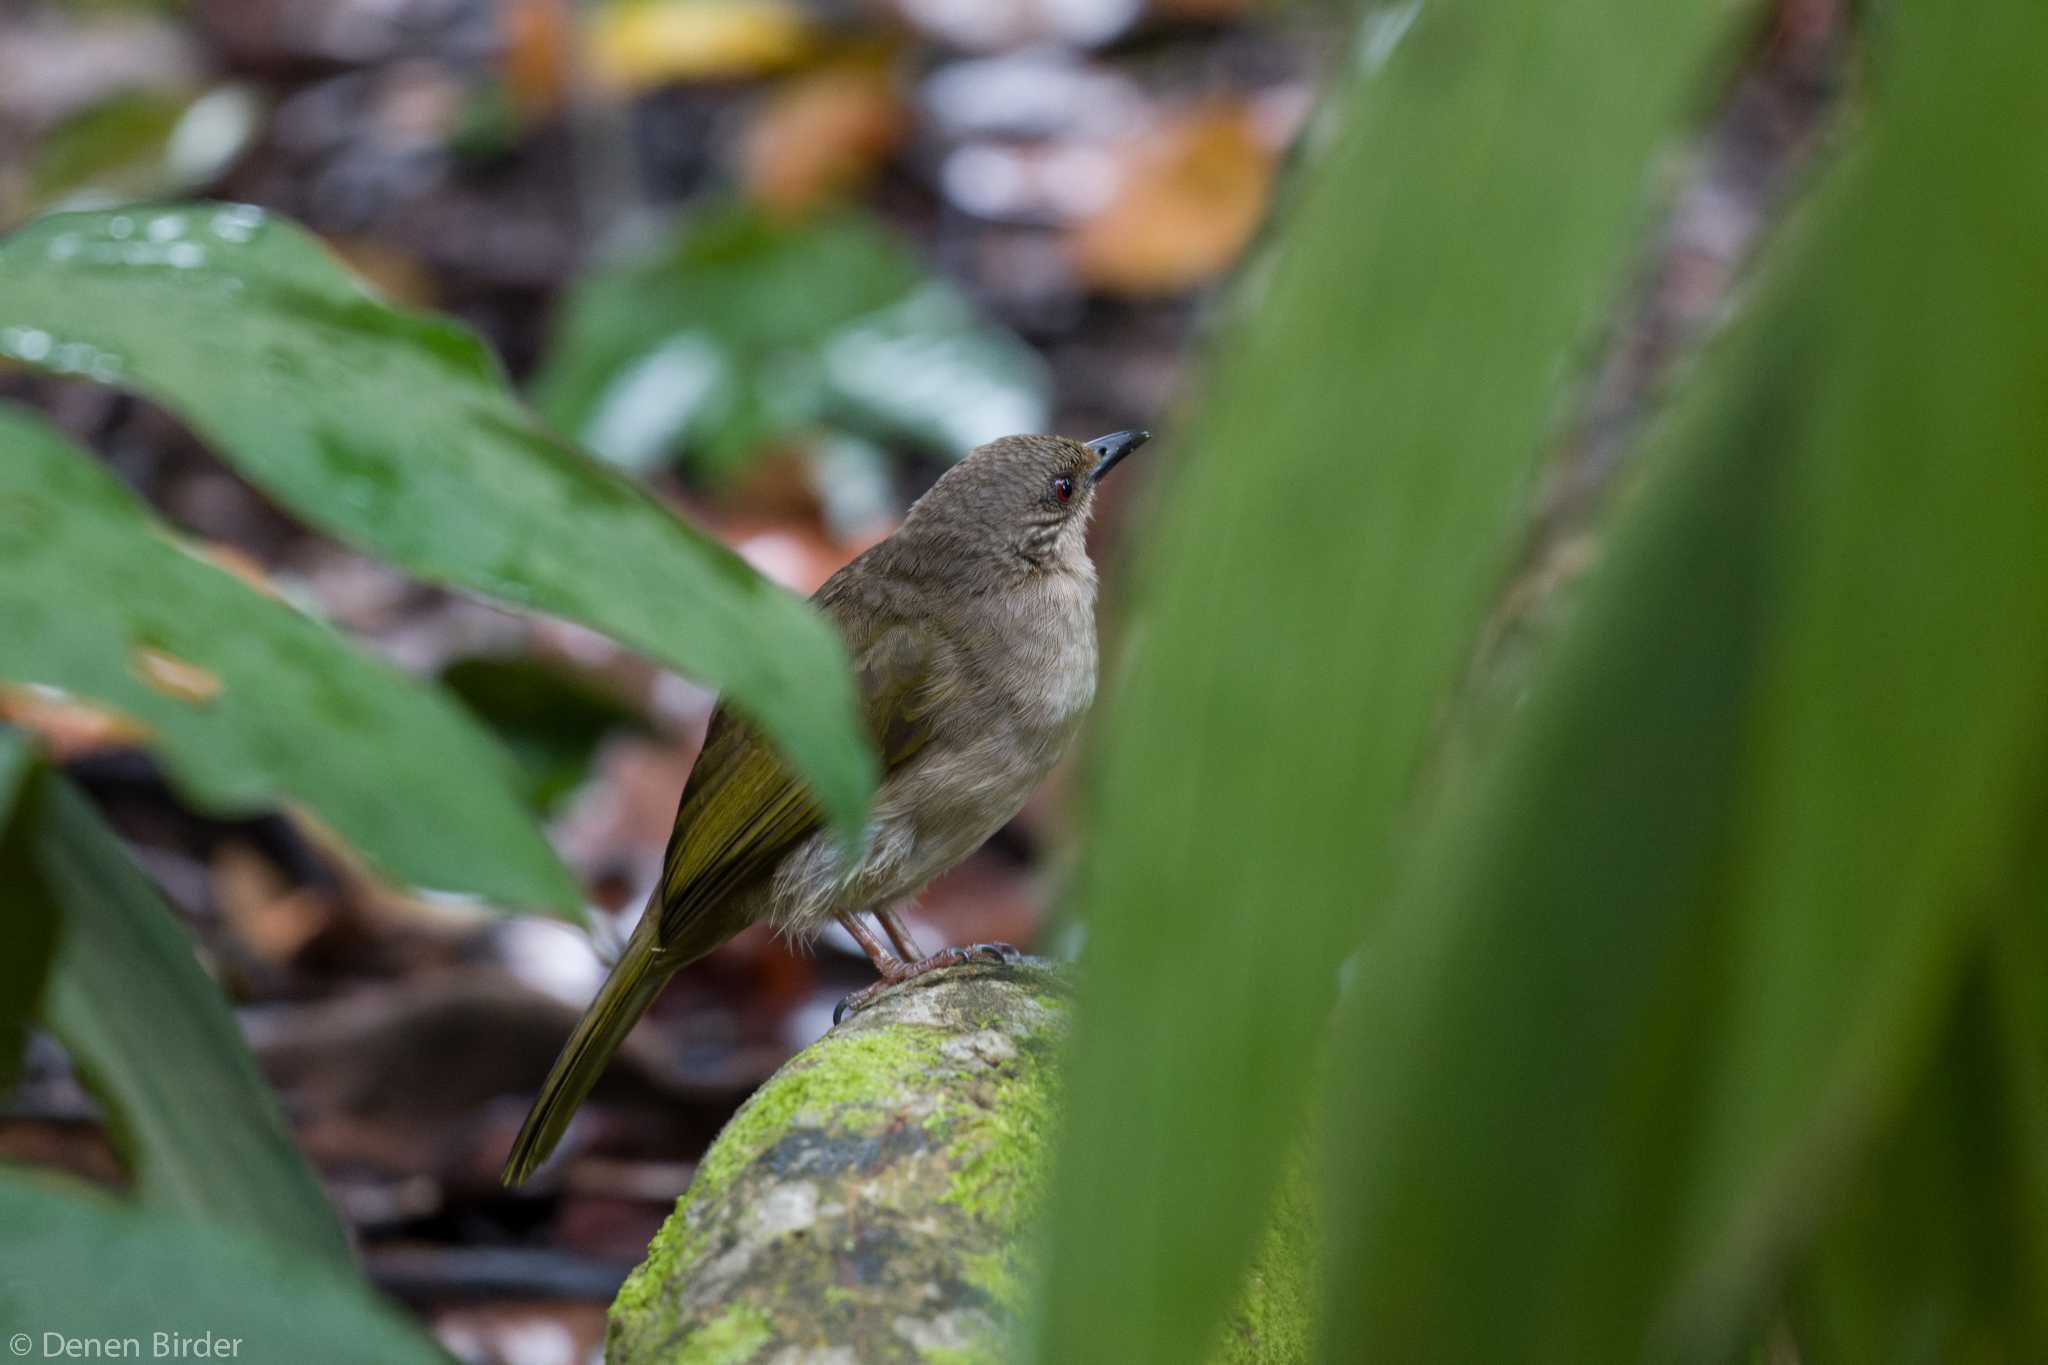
(1113, 447)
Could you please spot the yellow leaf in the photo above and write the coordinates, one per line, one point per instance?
(637, 46)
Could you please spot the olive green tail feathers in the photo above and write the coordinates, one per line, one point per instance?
(627, 992)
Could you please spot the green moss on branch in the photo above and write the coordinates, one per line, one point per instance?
(873, 1202)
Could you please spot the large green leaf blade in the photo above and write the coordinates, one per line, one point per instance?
(1314, 587)
(1672, 971)
(91, 1271)
(1520, 1055)
(395, 432)
(96, 596)
(1900, 755)
(28, 931)
(148, 1031)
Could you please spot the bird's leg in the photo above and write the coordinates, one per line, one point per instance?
(887, 963)
(899, 934)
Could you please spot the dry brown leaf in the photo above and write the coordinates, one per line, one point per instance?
(823, 135)
(69, 728)
(638, 46)
(534, 58)
(1192, 195)
(267, 914)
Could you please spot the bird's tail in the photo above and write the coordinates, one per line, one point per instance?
(627, 992)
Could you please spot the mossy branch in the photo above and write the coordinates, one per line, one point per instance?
(872, 1202)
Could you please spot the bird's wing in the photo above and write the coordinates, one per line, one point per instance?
(743, 809)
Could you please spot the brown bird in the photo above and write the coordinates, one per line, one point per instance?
(972, 631)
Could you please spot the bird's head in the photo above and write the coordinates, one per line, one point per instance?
(1024, 500)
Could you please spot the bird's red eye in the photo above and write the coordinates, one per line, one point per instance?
(1063, 488)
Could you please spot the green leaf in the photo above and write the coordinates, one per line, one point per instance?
(1521, 1053)
(140, 144)
(148, 1031)
(1315, 583)
(112, 145)
(741, 331)
(82, 1267)
(28, 931)
(1674, 970)
(249, 702)
(395, 431)
(1900, 746)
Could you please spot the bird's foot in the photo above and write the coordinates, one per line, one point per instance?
(895, 972)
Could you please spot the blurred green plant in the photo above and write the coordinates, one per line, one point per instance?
(140, 145)
(152, 1272)
(145, 1027)
(221, 1200)
(740, 332)
(394, 431)
(1704, 1010)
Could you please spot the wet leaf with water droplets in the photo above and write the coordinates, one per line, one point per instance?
(395, 431)
(249, 703)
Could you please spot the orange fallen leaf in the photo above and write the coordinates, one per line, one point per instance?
(1192, 195)
(267, 913)
(534, 58)
(173, 676)
(822, 135)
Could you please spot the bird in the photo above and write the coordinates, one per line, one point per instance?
(972, 634)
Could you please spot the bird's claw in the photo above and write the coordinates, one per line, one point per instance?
(857, 1002)
(1005, 953)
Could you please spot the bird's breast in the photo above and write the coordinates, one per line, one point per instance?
(1049, 658)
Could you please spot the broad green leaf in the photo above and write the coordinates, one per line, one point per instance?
(1521, 1052)
(1671, 973)
(77, 1266)
(248, 701)
(28, 931)
(741, 331)
(1900, 749)
(395, 431)
(1315, 583)
(150, 1034)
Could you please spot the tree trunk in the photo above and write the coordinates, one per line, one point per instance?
(871, 1203)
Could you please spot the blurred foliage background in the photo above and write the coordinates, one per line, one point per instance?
(1565, 792)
